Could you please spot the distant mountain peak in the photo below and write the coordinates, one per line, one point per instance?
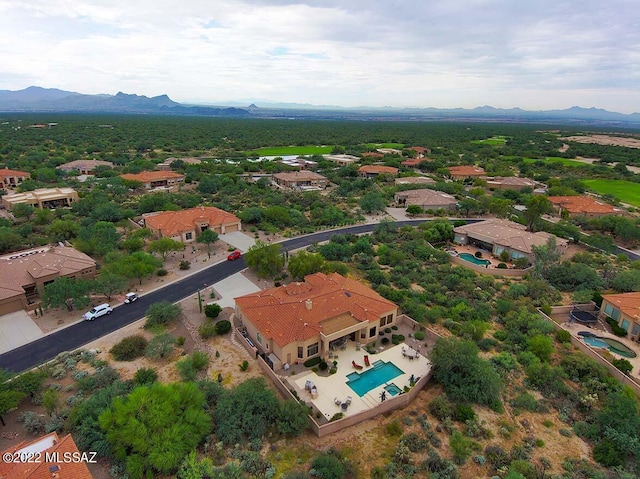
(253, 106)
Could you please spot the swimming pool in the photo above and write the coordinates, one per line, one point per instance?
(472, 259)
(377, 375)
(393, 389)
(607, 343)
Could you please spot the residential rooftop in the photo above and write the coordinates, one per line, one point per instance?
(577, 205)
(172, 223)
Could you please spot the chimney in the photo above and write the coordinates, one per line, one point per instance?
(309, 304)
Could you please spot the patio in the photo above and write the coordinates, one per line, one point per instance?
(332, 391)
(485, 254)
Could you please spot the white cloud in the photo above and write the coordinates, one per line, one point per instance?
(536, 55)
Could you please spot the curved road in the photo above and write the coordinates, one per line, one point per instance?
(73, 337)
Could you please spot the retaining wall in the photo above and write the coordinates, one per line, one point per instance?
(491, 271)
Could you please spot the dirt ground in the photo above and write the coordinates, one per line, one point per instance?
(628, 142)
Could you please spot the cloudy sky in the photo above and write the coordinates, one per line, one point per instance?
(535, 54)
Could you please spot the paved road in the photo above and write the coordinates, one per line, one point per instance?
(76, 336)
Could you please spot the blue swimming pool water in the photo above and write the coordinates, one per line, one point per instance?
(393, 389)
(608, 343)
(472, 259)
(377, 375)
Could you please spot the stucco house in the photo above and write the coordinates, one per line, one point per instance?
(342, 160)
(10, 178)
(498, 235)
(625, 309)
(508, 183)
(300, 180)
(583, 206)
(42, 198)
(415, 180)
(25, 273)
(465, 171)
(155, 179)
(186, 225)
(427, 199)
(85, 167)
(298, 321)
(371, 171)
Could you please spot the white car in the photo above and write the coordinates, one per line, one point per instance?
(98, 311)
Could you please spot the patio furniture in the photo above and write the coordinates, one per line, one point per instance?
(366, 360)
(344, 406)
(337, 401)
(348, 400)
(314, 392)
(356, 365)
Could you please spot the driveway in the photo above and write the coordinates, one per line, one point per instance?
(238, 240)
(17, 329)
(232, 287)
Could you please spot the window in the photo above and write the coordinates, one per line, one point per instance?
(259, 338)
(188, 236)
(372, 332)
(363, 335)
(608, 309)
(312, 349)
(390, 319)
(300, 352)
(625, 324)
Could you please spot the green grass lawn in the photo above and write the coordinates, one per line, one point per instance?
(373, 146)
(493, 141)
(556, 159)
(293, 150)
(625, 191)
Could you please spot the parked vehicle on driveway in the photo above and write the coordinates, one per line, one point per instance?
(233, 256)
(130, 298)
(98, 311)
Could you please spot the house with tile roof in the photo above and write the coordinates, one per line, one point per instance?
(25, 273)
(300, 180)
(371, 171)
(85, 167)
(583, 206)
(625, 309)
(415, 180)
(11, 178)
(186, 225)
(498, 235)
(372, 154)
(463, 172)
(413, 162)
(42, 198)
(508, 183)
(342, 160)
(155, 179)
(427, 199)
(56, 459)
(166, 164)
(302, 320)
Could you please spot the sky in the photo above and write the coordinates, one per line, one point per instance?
(532, 54)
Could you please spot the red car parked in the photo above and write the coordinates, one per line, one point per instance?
(233, 256)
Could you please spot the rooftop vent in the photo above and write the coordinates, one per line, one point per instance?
(308, 304)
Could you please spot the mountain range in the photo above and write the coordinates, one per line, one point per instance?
(37, 99)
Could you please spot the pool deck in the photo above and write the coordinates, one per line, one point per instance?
(334, 386)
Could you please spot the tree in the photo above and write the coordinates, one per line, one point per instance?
(372, 201)
(537, 206)
(137, 265)
(51, 401)
(162, 313)
(541, 345)
(164, 246)
(62, 230)
(265, 259)
(545, 256)
(132, 244)
(303, 263)
(212, 310)
(66, 292)
(108, 283)
(22, 210)
(98, 239)
(464, 374)
(153, 428)
(208, 237)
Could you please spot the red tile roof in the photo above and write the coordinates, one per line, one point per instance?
(419, 149)
(466, 170)
(295, 312)
(577, 205)
(373, 154)
(7, 173)
(172, 223)
(45, 445)
(147, 176)
(413, 161)
(378, 169)
(627, 303)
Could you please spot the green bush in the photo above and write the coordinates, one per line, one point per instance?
(623, 365)
(312, 362)
(145, 376)
(129, 348)
(162, 272)
(184, 265)
(441, 408)
(207, 330)
(223, 327)
(502, 266)
(617, 330)
(563, 336)
(420, 335)
(394, 429)
(212, 310)
(200, 360)
(463, 412)
(323, 366)
(160, 346)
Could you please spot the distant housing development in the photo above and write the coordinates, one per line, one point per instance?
(342, 160)
(25, 273)
(583, 205)
(300, 180)
(415, 180)
(497, 235)
(166, 164)
(426, 199)
(508, 183)
(9, 178)
(625, 309)
(42, 198)
(463, 172)
(186, 225)
(371, 171)
(85, 167)
(298, 321)
(155, 179)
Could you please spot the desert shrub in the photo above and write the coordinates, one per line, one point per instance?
(162, 313)
(244, 365)
(223, 327)
(463, 412)
(207, 329)
(145, 376)
(502, 266)
(623, 365)
(441, 408)
(180, 340)
(186, 370)
(70, 363)
(497, 457)
(414, 442)
(103, 377)
(563, 336)
(200, 360)
(162, 272)
(212, 310)
(32, 422)
(322, 366)
(129, 348)
(329, 465)
(384, 341)
(461, 447)
(160, 346)
(394, 429)
(184, 265)
(420, 335)
(78, 375)
(527, 402)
